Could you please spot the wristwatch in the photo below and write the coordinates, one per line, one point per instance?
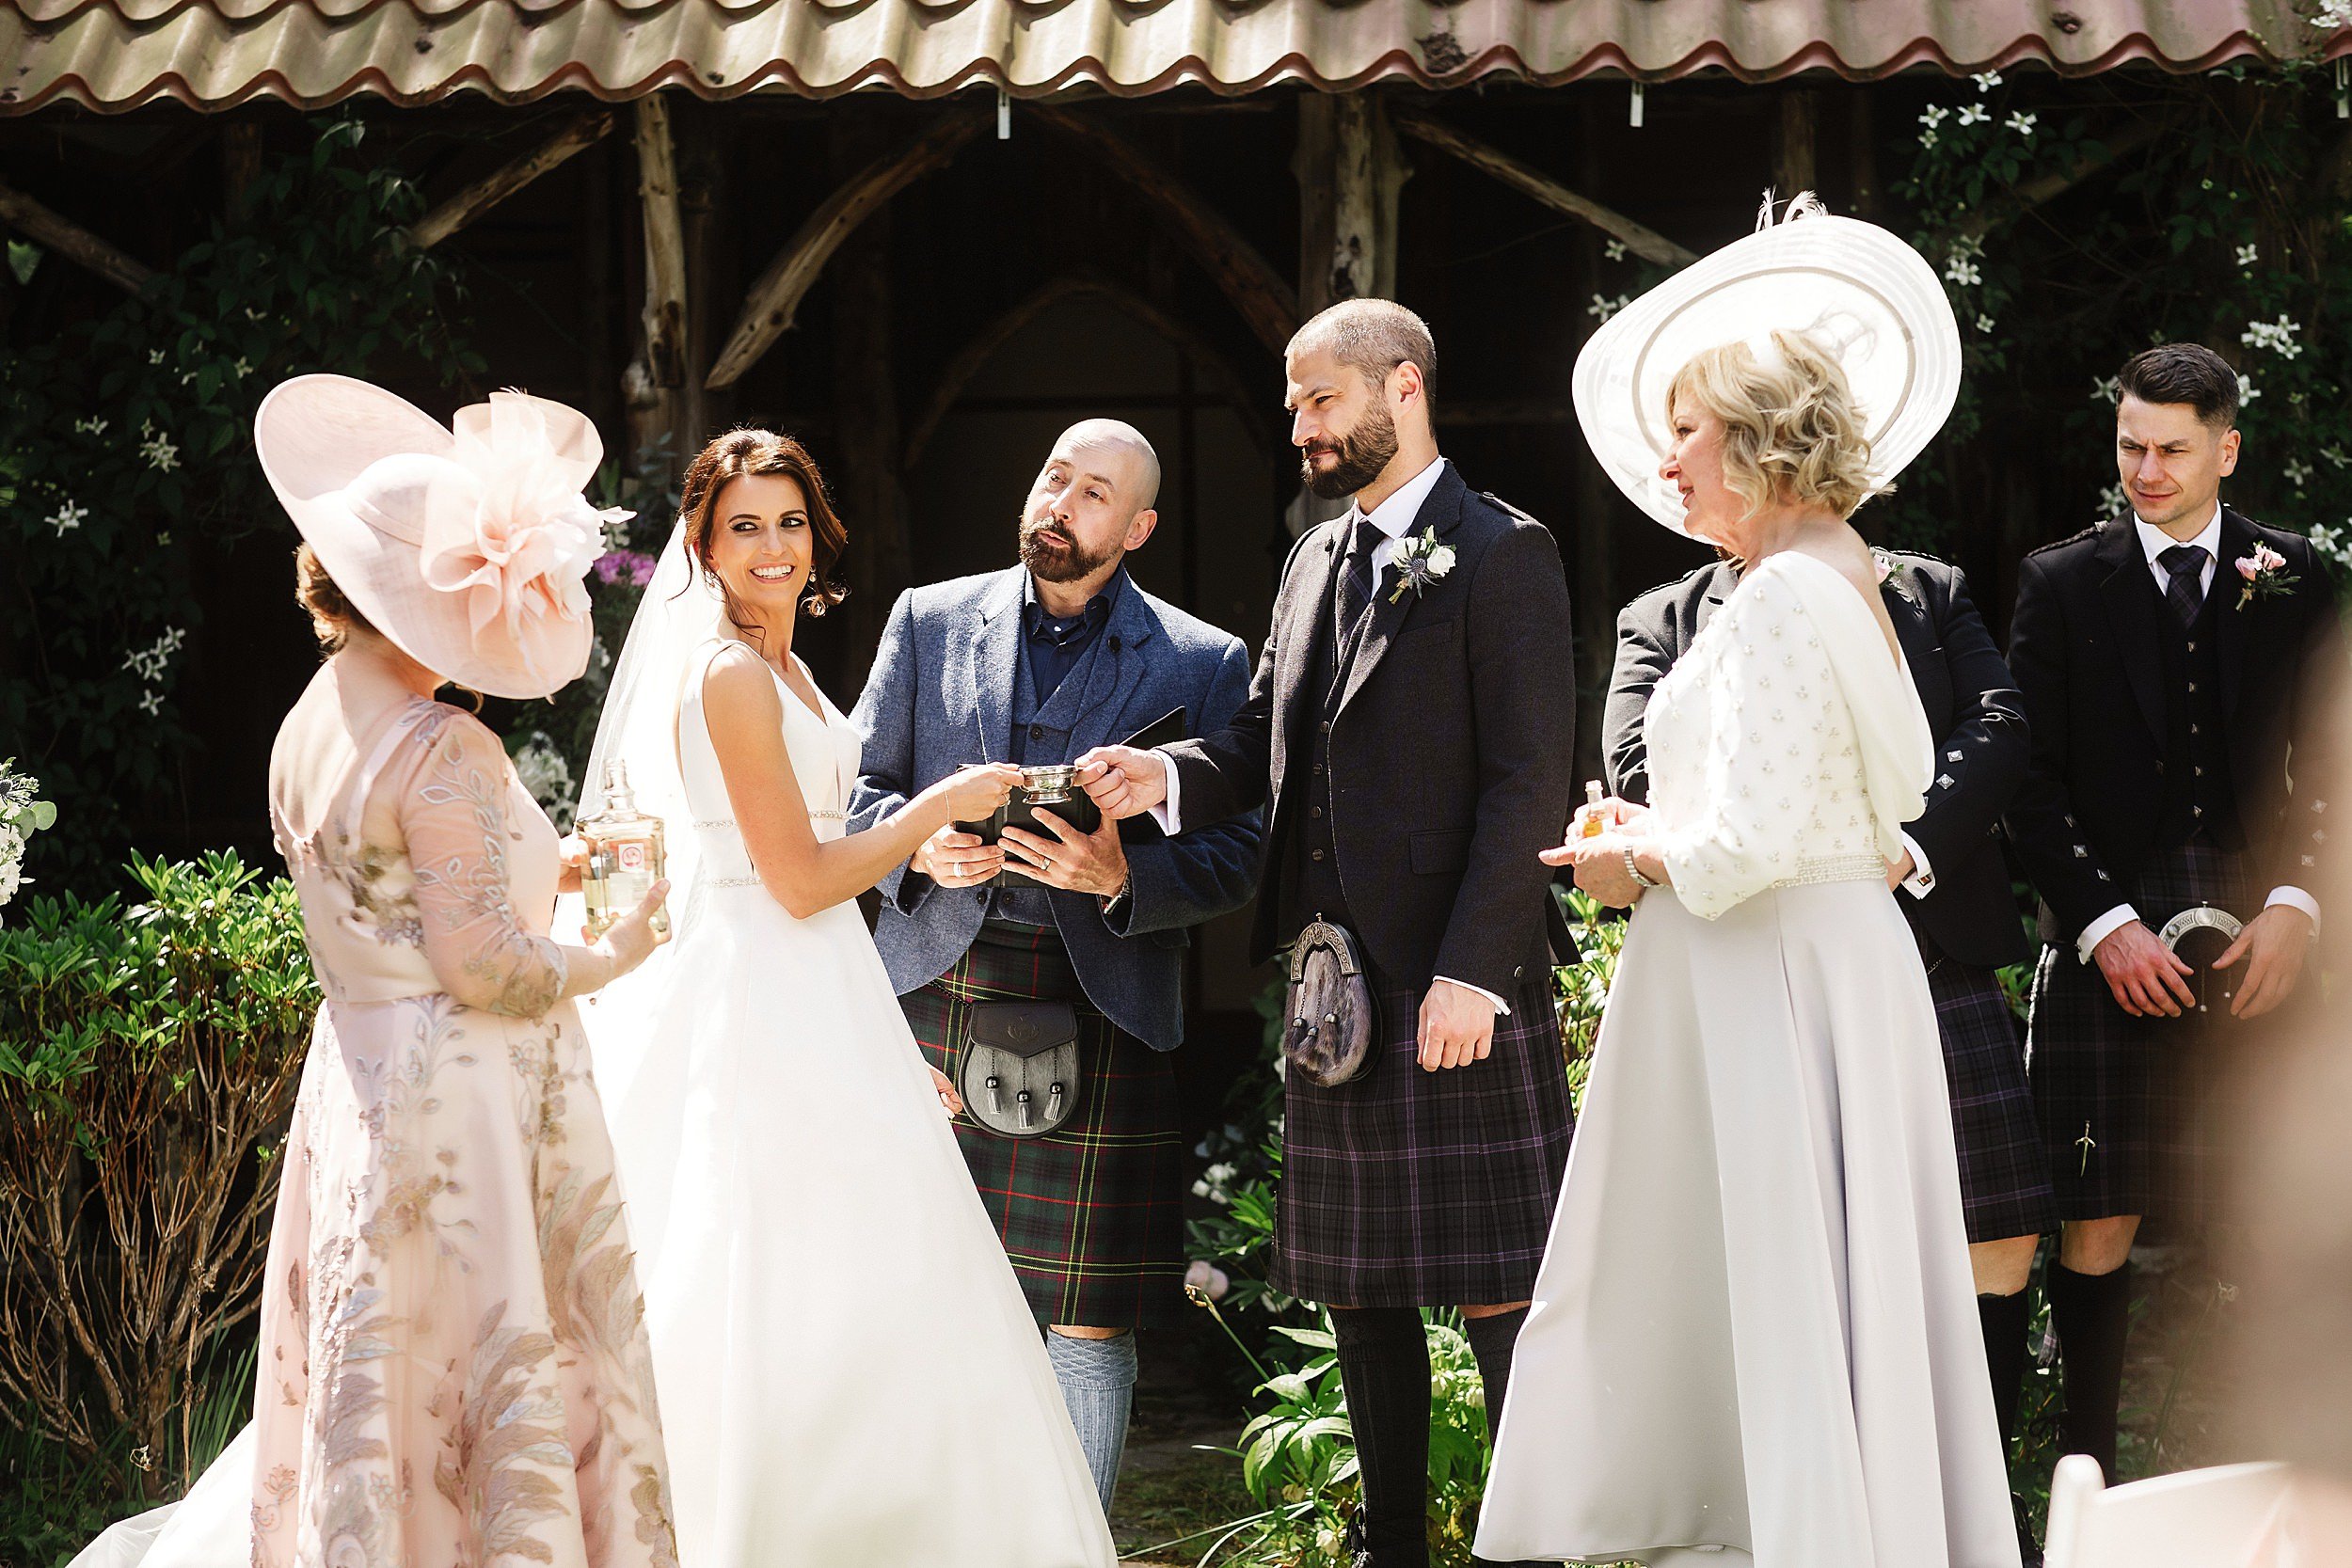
(1634, 871)
(1125, 885)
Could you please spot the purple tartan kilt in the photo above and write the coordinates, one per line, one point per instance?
(2129, 1105)
(2004, 1173)
(1406, 1188)
(1091, 1214)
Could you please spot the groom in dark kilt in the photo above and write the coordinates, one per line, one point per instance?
(2181, 670)
(1410, 727)
(1034, 664)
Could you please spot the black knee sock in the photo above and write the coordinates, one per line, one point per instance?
(2093, 1314)
(1491, 1339)
(2003, 1320)
(1384, 1367)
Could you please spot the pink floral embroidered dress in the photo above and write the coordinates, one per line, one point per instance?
(454, 1369)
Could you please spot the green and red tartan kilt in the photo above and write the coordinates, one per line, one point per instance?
(1091, 1214)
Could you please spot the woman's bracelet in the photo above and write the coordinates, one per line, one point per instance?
(1634, 871)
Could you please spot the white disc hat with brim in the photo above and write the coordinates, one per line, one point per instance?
(1854, 289)
(468, 547)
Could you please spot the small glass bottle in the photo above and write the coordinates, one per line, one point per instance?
(1595, 819)
(625, 857)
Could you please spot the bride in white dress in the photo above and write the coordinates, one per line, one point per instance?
(848, 1375)
(1755, 1336)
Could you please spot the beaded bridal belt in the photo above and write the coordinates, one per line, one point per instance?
(1836, 868)
(826, 814)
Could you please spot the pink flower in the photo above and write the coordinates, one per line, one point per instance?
(633, 567)
(2264, 559)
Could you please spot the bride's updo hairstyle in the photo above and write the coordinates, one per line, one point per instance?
(763, 451)
(333, 617)
(1792, 433)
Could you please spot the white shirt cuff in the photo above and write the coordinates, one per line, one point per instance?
(1165, 813)
(1922, 879)
(2299, 898)
(1502, 1009)
(2100, 928)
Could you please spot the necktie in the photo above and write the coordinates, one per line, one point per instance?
(1355, 573)
(2186, 594)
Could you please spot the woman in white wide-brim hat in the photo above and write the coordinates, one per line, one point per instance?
(453, 1365)
(1754, 1337)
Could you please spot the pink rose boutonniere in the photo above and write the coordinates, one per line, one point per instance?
(2266, 573)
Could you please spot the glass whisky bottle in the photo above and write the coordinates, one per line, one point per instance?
(625, 856)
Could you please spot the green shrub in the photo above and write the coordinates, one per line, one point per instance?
(148, 1063)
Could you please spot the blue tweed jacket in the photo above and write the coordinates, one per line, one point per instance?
(940, 695)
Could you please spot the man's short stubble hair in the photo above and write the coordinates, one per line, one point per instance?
(1372, 337)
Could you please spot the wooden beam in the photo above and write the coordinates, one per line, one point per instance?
(1269, 304)
(772, 303)
(2033, 193)
(579, 134)
(72, 242)
(1349, 172)
(1644, 242)
(665, 244)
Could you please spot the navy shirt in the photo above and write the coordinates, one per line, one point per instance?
(1054, 643)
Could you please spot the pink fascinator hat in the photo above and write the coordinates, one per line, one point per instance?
(468, 547)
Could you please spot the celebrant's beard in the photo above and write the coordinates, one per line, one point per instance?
(1047, 563)
(1362, 454)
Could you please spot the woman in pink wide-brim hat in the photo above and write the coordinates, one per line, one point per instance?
(453, 1365)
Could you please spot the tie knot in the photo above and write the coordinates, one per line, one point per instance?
(2184, 558)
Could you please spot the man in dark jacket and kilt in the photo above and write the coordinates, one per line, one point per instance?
(1410, 723)
(1033, 665)
(2182, 669)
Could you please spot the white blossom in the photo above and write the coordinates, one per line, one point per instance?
(2022, 123)
(2111, 501)
(2298, 471)
(2247, 391)
(2245, 255)
(1614, 250)
(150, 663)
(160, 453)
(1961, 270)
(2335, 456)
(1986, 81)
(1934, 115)
(67, 516)
(2332, 14)
(1927, 138)
(244, 367)
(2277, 337)
(544, 772)
(2333, 542)
(151, 702)
(1974, 114)
(2106, 389)
(1602, 308)
(154, 356)
(12, 862)
(1984, 323)
(94, 426)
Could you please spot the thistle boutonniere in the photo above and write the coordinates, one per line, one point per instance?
(1419, 562)
(2266, 573)
(1889, 571)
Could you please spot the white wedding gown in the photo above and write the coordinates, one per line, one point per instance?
(849, 1374)
(1755, 1336)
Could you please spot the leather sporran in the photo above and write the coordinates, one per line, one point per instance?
(1333, 1020)
(1019, 1076)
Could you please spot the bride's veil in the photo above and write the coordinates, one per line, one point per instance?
(681, 610)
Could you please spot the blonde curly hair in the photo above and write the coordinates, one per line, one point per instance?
(1792, 431)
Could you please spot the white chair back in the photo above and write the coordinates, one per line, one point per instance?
(2211, 1518)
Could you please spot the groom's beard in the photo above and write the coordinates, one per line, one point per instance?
(1362, 453)
(1053, 555)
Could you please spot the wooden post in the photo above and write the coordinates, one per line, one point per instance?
(1350, 171)
(240, 166)
(879, 560)
(1861, 131)
(72, 241)
(649, 386)
(1794, 165)
(583, 132)
(1593, 548)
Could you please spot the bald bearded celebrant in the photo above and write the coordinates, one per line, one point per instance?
(1047, 960)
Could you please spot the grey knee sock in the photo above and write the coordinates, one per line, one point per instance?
(1098, 1384)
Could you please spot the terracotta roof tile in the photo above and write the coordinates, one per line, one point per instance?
(113, 55)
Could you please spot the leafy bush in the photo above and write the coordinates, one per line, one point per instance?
(147, 1062)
